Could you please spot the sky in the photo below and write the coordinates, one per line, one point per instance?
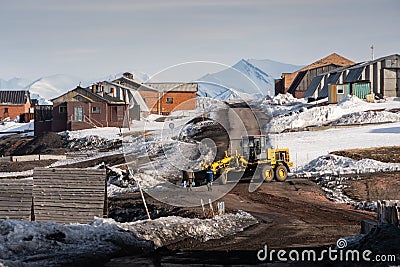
(96, 38)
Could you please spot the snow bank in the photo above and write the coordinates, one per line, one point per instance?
(48, 244)
(333, 164)
(304, 115)
(11, 126)
(109, 133)
(286, 99)
(168, 230)
(367, 116)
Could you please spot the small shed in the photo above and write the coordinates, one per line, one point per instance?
(337, 92)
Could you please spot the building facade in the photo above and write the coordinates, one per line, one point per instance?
(382, 74)
(163, 97)
(297, 82)
(83, 109)
(15, 103)
(169, 97)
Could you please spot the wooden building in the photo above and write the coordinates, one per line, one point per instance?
(162, 97)
(81, 108)
(383, 75)
(297, 82)
(170, 97)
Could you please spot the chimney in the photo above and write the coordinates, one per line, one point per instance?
(128, 75)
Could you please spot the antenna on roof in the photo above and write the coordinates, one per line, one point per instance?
(372, 52)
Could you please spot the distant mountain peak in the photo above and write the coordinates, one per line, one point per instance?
(256, 79)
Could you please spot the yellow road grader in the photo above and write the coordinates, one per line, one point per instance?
(268, 163)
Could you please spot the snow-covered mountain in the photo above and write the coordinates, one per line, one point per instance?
(14, 83)
(52, 86)
(246, 79)
(273, 68)
(49, 87)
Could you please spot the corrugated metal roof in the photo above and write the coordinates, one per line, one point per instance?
(297, 81)
(14, 97)
(313, 86)
(332, 79)
(175, 87)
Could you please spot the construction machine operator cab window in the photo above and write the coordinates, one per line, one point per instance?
(281, 156)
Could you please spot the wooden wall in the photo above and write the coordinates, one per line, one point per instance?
(69, 195)
(16, 199)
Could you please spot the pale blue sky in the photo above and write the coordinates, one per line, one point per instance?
(95, 38)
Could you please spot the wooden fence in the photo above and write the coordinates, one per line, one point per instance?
(16, 199)
(388, 211)
(69, 195)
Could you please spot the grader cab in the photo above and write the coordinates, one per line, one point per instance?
(268, 163)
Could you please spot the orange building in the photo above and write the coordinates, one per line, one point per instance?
(168, 97)
(162, 97)
(14, 103)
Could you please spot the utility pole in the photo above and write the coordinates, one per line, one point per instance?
(372, 52)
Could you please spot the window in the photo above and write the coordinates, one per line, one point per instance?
(144, 99)
(170, 100)
(78, 114)
(62, 109)
(340, 89)
(5, 110)
(95, 109)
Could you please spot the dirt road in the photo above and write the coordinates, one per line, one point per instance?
(294, 214)
(291, 214)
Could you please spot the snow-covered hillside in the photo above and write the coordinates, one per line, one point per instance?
(246, 79)
(273, 68)
(54, 85)
(48, 87)
(14, 83)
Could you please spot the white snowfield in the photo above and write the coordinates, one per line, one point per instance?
(289, 113)
(11, 126)
(306, 146)
(24, 243)
(292, 113)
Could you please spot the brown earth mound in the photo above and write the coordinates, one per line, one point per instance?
(46, 143)
(383, 154)
(10, 143)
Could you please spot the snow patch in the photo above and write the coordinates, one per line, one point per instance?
(333, 164)
(171, 229)
(45, 244)
(294, 114)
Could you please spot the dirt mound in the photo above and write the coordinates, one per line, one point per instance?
(390, 154)
(45, 143)
(10, 143)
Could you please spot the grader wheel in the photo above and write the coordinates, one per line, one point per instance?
(267, 173)
(281, 173)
